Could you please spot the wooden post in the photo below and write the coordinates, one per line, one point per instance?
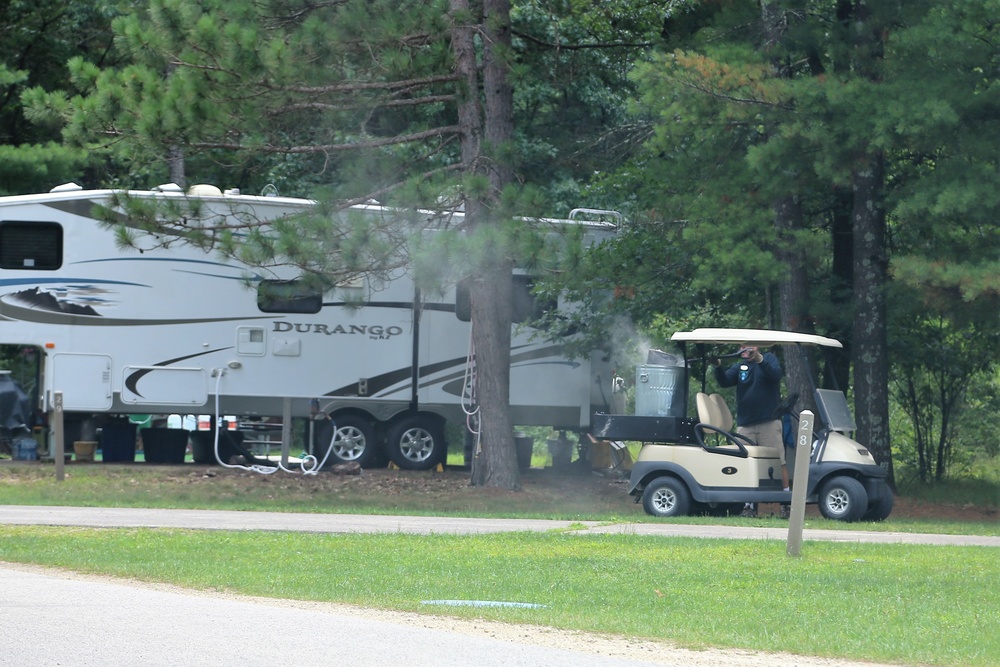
(800, 483)
(57, 436)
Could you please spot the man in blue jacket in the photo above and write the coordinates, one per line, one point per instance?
(757, 378)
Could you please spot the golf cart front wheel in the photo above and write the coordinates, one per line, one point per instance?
(666, 497)
(843, 499)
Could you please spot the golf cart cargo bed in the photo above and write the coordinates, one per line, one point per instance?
(678, 430)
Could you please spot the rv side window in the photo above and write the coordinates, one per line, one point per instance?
(287, 296)
(31, 245)
(526, 305)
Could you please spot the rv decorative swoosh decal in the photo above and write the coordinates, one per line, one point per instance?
(379, 385)
(78, 300)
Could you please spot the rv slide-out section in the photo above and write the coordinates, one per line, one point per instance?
(182, 330)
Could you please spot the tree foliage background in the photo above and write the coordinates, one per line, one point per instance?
(817, 166)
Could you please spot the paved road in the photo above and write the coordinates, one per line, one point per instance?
(51, 620)
(119, 517)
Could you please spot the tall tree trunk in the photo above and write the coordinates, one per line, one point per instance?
(470, 119)
(871, 360)
(496, 464)
(871, 345)
(793, 299)
(484, 137)
(498, 92)
(493, 293)
(841, 288)
(793, 290)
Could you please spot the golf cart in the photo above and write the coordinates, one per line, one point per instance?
(689, 465)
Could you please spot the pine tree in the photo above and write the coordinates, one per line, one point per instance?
(362, 99)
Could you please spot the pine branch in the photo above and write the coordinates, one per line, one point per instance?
(321, 106)
(320, 148)
(357, 86)
(563, 46)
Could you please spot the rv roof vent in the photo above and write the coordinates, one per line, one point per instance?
(66, 187)
(203, 190)
(168, 187)
(232, 192)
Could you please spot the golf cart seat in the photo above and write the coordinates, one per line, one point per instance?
(716, 422)
(715, 418)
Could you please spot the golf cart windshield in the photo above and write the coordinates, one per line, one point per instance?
(834, 411)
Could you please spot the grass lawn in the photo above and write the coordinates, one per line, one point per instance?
(888, 603)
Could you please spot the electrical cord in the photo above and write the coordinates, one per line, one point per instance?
(471, 408)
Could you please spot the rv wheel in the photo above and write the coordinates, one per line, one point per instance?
(354, 440)
(843, 499)
(665, 497)
(417, 443)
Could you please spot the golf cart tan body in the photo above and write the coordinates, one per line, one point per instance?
(691, 465)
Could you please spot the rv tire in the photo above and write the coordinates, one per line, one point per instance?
(417, 443)
(354, 440)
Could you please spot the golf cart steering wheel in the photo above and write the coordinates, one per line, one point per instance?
(786, 405)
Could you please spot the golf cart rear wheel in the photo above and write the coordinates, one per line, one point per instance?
(666, 497)
(843, 499)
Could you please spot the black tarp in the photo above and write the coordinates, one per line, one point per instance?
(15, 409)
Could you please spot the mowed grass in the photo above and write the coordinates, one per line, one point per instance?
(889, 603)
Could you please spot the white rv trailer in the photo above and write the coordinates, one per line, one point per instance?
(178, 330)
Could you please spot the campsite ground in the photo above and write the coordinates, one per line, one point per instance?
(574, 493)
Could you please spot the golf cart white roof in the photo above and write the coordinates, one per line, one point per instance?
(758, 337)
